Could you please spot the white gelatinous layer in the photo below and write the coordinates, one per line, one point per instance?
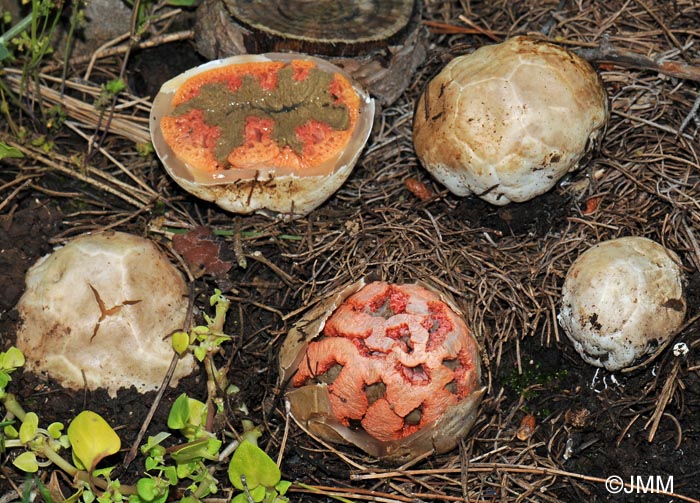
(509, 120)
(264, 188)
(65, 333)
(621, 300)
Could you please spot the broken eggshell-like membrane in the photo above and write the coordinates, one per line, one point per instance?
(391, 369)
(276, 132)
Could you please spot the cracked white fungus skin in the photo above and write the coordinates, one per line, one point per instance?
(98, 312)
(621, 300)
(509, 120)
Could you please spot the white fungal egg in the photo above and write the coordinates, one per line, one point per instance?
(262, 133)
(97, 313)
(509, 120)
(621, 300)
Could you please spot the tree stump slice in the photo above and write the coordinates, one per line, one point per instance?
(379, 42)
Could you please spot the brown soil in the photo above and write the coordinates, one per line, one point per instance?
(505, 267)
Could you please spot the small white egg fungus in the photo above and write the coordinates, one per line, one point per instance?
(507, 121)
(621, 300)
(97, 313)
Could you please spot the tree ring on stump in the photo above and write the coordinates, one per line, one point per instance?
(380, 43)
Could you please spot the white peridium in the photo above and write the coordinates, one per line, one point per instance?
(509, 120)
(621, 300)
(97, 313)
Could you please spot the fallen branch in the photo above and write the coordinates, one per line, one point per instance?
(605, 53)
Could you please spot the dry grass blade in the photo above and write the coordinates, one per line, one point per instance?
(130, 121)
(99, 179)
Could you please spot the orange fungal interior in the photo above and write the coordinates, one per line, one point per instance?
(193, 140)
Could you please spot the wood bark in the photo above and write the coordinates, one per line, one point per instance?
(379, 43)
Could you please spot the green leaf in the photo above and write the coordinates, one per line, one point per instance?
(146, 489)
(204, 448)
(188, 415)
(63, 441)
(258, 494)
(200, 353)
(153, 445)
(10, 431)
(55, 430)
(7, 151)
(283, 486)
(4, 379)
(179, 413)
(258, 468)
(92, 438)
(170, 473)
(12, 358)
(185, 469)
(4, 53)
(103, 472)
(29, 428)
(115, 86)
(151, 463)
(182, 3)
(88, 496)
(180, 342)
(217, 297)
(26, 462)
(78, 464)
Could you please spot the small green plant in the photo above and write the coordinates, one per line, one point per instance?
(189, 416)
(10, 360)
(172, 466)
(204, 341)
(187, 465)
(252, 471)
(107, 93)
(146, 7)
(90, 439)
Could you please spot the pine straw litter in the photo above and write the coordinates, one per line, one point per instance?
(505, 266)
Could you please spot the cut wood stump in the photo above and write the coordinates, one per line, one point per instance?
(380, 43)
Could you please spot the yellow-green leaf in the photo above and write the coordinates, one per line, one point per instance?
(29, 427)
(5, 149)
(12, 358)
(26, 462)
(181, 341)
(55, 430)
(10, 431)
(92, 438)
(257, 467)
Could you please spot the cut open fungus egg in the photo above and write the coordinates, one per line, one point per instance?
(270, 132)
(392, 369)
(507, 121)
(622, 299)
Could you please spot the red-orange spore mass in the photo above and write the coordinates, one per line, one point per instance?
(404, 337)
